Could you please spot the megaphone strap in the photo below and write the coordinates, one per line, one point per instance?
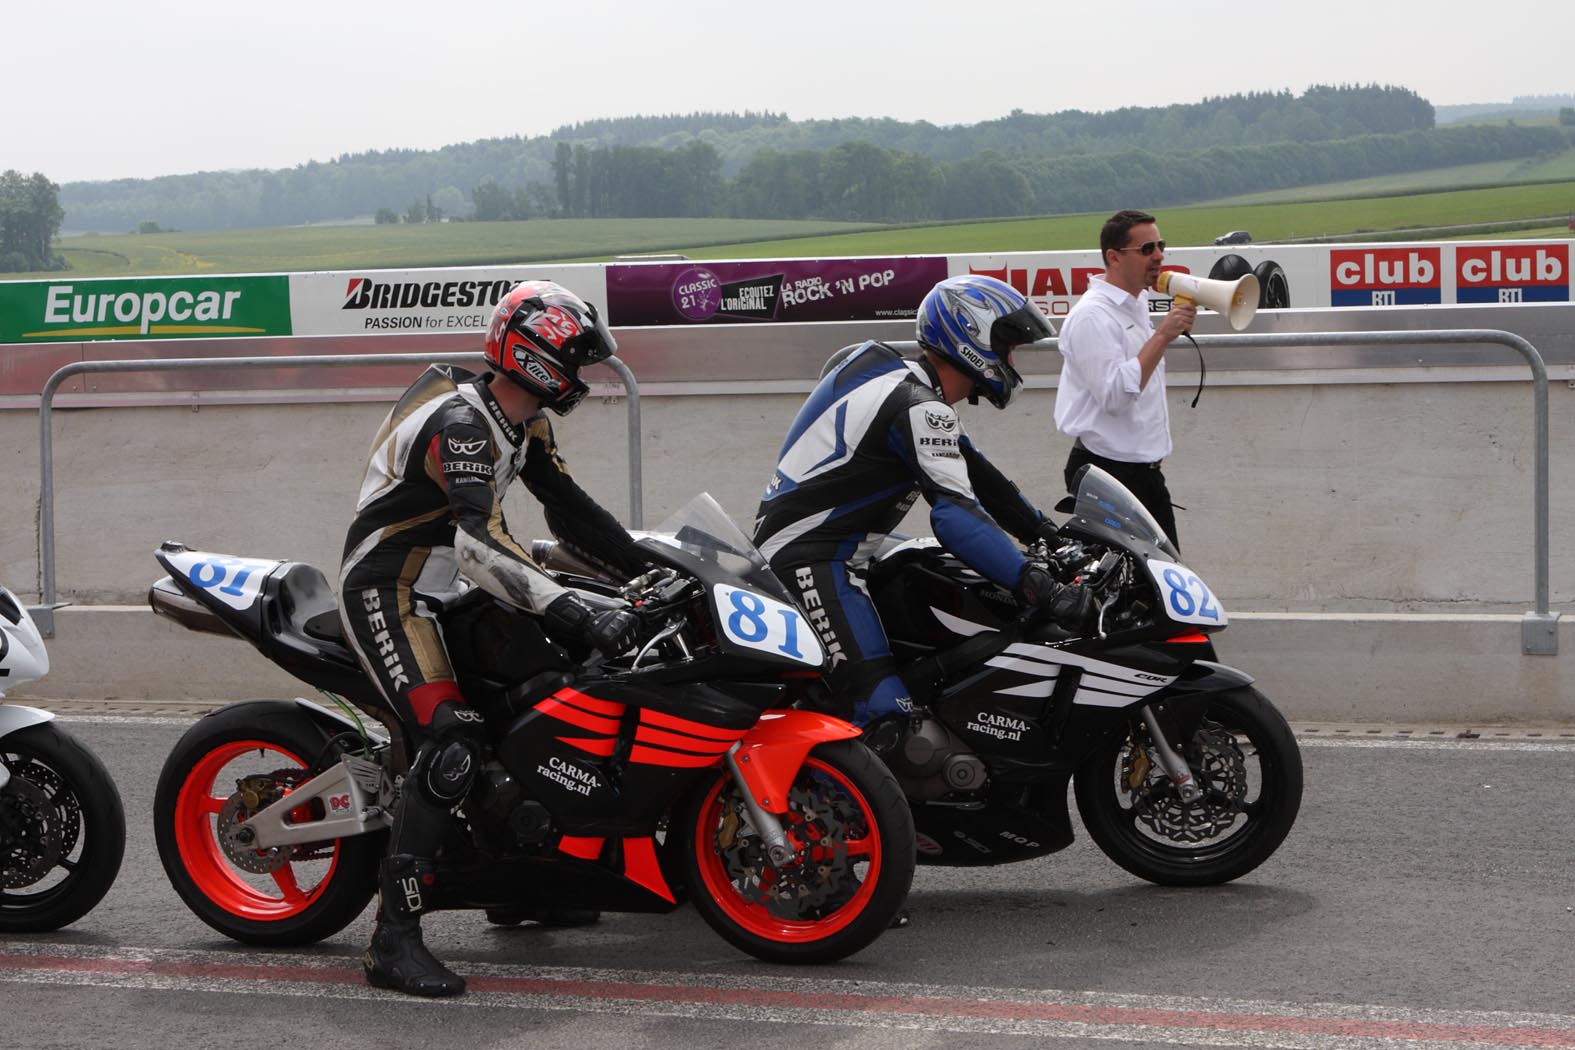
(1203, 369)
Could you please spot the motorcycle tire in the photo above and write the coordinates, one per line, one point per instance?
(62, 831)
(854, 840)
(1236, 825)
(285, 896)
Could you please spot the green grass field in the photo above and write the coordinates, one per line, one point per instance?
(1469, 176)
(1199, 225)
(345, 247)
(1442, 204)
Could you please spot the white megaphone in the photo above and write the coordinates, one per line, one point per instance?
(1237, 300)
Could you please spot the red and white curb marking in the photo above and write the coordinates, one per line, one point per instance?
(809, 1000)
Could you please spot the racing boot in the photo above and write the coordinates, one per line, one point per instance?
(397, 958)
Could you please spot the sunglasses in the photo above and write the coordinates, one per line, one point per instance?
(1147, 247)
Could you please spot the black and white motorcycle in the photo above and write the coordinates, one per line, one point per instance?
(1184, 774)
(62, 828)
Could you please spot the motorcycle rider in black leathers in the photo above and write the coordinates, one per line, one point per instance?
(878, 431)
(431, 507)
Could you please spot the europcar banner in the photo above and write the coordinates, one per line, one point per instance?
(144, 308)
(395, 302)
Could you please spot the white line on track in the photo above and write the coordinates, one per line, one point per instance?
(1041, 1013)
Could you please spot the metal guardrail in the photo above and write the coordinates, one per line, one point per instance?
(1539, 631)
(44, 613)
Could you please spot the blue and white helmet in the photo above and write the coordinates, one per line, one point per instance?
(974, 321)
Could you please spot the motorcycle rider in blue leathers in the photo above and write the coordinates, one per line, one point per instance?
(877, 432)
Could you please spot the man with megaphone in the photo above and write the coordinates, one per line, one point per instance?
(1111, 398)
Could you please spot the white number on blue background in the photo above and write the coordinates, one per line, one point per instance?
(1187, 598)
(234, 581)
(755, 621)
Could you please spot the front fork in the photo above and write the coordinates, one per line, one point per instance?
(765, 762)
(766, 824)
(1170, 760)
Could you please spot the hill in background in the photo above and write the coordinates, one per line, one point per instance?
(766, 166)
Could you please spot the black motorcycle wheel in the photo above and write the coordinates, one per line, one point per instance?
(283, 896)
(1246, 760)
(62, 831)
(853, 836)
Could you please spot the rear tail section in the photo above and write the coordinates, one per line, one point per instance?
(287, 610)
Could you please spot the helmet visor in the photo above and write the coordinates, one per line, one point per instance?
(1026, 324)
(592, 341)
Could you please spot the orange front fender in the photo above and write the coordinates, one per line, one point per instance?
(770, 755)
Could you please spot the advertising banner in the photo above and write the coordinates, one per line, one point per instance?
(143, 308)
(407, 302)
(1386, 276)
(1316, 275)
(1512, 273)
(784, 290)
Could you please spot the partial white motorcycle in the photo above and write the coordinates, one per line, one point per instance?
(62, 827)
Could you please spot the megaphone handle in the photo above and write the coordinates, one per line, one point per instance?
(1203, 370)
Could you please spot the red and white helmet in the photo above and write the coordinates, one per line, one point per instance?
(541, 335)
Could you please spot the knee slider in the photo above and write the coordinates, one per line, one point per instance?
(444, 770)
(446, 764)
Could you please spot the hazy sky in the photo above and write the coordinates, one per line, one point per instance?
(103, 89)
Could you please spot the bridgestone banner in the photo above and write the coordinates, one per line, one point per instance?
(408, 302)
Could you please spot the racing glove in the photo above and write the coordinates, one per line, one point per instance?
(612, 631)
(1070, 605)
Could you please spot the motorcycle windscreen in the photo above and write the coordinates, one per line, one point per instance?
(1105, 510)
(703, 530)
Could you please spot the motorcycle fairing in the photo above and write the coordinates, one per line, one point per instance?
(608, 756)
(1102, 683)
(1184, 596)
(23, 657)
(287, 610)
(997, 832)
(771, 754)
(640, 863)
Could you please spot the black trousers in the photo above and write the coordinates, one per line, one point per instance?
(1146, 481)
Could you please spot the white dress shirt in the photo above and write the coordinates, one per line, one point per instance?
(1099, 400)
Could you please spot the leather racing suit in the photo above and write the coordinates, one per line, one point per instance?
(873, 436)
(431, 506)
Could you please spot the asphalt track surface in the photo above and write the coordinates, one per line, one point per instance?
(1426, 898)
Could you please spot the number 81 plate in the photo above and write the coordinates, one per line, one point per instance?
(756, 621)
(1187, 598)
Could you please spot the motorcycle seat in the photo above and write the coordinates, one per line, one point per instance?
(326, 626)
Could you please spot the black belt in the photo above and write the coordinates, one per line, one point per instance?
(1078, 444)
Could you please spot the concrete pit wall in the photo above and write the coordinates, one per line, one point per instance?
(1329, 517)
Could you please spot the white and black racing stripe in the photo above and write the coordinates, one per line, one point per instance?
(1103, 684)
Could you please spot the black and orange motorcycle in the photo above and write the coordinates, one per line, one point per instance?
(624, 782)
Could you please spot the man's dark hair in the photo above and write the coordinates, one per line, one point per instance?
(1114, 233)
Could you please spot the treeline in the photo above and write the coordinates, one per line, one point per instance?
(1255, 118)
(858, 181)
(765, 165)
(30, 217)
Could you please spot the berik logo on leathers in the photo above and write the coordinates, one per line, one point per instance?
(945, 422)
